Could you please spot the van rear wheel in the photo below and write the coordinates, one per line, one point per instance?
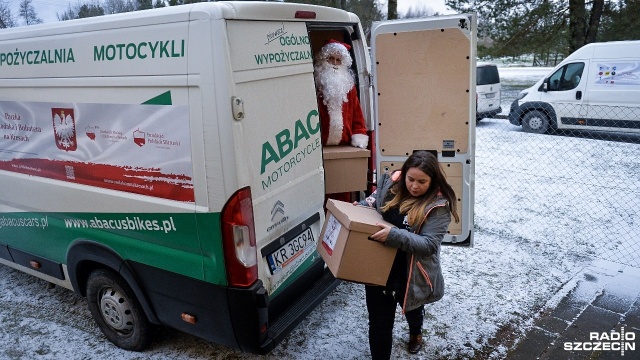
(535, 121)
(116, 310)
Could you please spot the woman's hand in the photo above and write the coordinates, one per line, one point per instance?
(381, 236)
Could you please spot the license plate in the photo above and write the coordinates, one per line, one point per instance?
(288, 252)
(490, 95)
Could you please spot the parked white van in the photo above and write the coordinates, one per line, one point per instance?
(595, 88)
(167, 164)
(488, 90)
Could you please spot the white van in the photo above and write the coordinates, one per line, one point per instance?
(595, 88)
(488, 90)
(167, 164)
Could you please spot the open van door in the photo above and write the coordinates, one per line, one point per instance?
(424, 99)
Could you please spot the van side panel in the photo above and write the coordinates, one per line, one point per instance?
(113, 132)
(613, 93)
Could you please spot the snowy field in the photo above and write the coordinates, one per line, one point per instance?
(493, 290)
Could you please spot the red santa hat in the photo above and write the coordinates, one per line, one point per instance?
(333, 41)
(332, 47)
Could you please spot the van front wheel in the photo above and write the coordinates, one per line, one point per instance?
(116, 311)
(535, 122)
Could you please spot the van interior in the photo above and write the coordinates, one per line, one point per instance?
(319, 35)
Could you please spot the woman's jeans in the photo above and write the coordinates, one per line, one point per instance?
(381, 305)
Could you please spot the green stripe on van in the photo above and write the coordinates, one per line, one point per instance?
(162, 99)
(178, 242)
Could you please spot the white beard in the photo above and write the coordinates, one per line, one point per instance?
(334, 84)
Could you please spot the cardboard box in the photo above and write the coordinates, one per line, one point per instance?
(345, 248)
(345, 168)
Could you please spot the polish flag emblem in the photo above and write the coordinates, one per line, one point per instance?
(138, 137)
(64, 129)
(91, 132)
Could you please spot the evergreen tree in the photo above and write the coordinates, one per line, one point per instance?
(90, 10)
(620, 21)
(368, 11)
(144, 4)
(392, 9)
(542, 27)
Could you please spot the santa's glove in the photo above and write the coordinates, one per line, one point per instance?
(360, 141)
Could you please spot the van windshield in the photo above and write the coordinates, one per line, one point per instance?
(487, 75)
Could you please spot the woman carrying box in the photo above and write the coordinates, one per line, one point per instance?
(419, 202)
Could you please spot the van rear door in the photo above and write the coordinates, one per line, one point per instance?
(424, 77)
(488, 90)
(278, 152)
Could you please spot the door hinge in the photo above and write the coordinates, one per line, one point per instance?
(237, 107)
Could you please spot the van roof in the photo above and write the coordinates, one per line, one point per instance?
(607, 50)
(485, 63)
(260, 10)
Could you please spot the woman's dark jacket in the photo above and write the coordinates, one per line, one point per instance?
(425, 283)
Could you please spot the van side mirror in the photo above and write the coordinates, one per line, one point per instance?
(544, 86)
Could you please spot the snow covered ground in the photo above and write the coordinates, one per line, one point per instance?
(493, 290)
(500, 283)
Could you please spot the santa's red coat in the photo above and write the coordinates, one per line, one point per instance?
(352, 118)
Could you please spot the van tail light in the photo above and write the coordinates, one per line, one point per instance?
(239, 239)
(302, 14)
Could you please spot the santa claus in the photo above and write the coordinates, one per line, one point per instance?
(341, 118)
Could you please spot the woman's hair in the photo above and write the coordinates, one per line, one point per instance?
(412, 206)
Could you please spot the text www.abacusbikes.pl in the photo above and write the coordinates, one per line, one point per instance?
(133, 223)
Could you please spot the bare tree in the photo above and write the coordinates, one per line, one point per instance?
(418, 12)
(69, 14)
(6, 17)
(28, 13)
